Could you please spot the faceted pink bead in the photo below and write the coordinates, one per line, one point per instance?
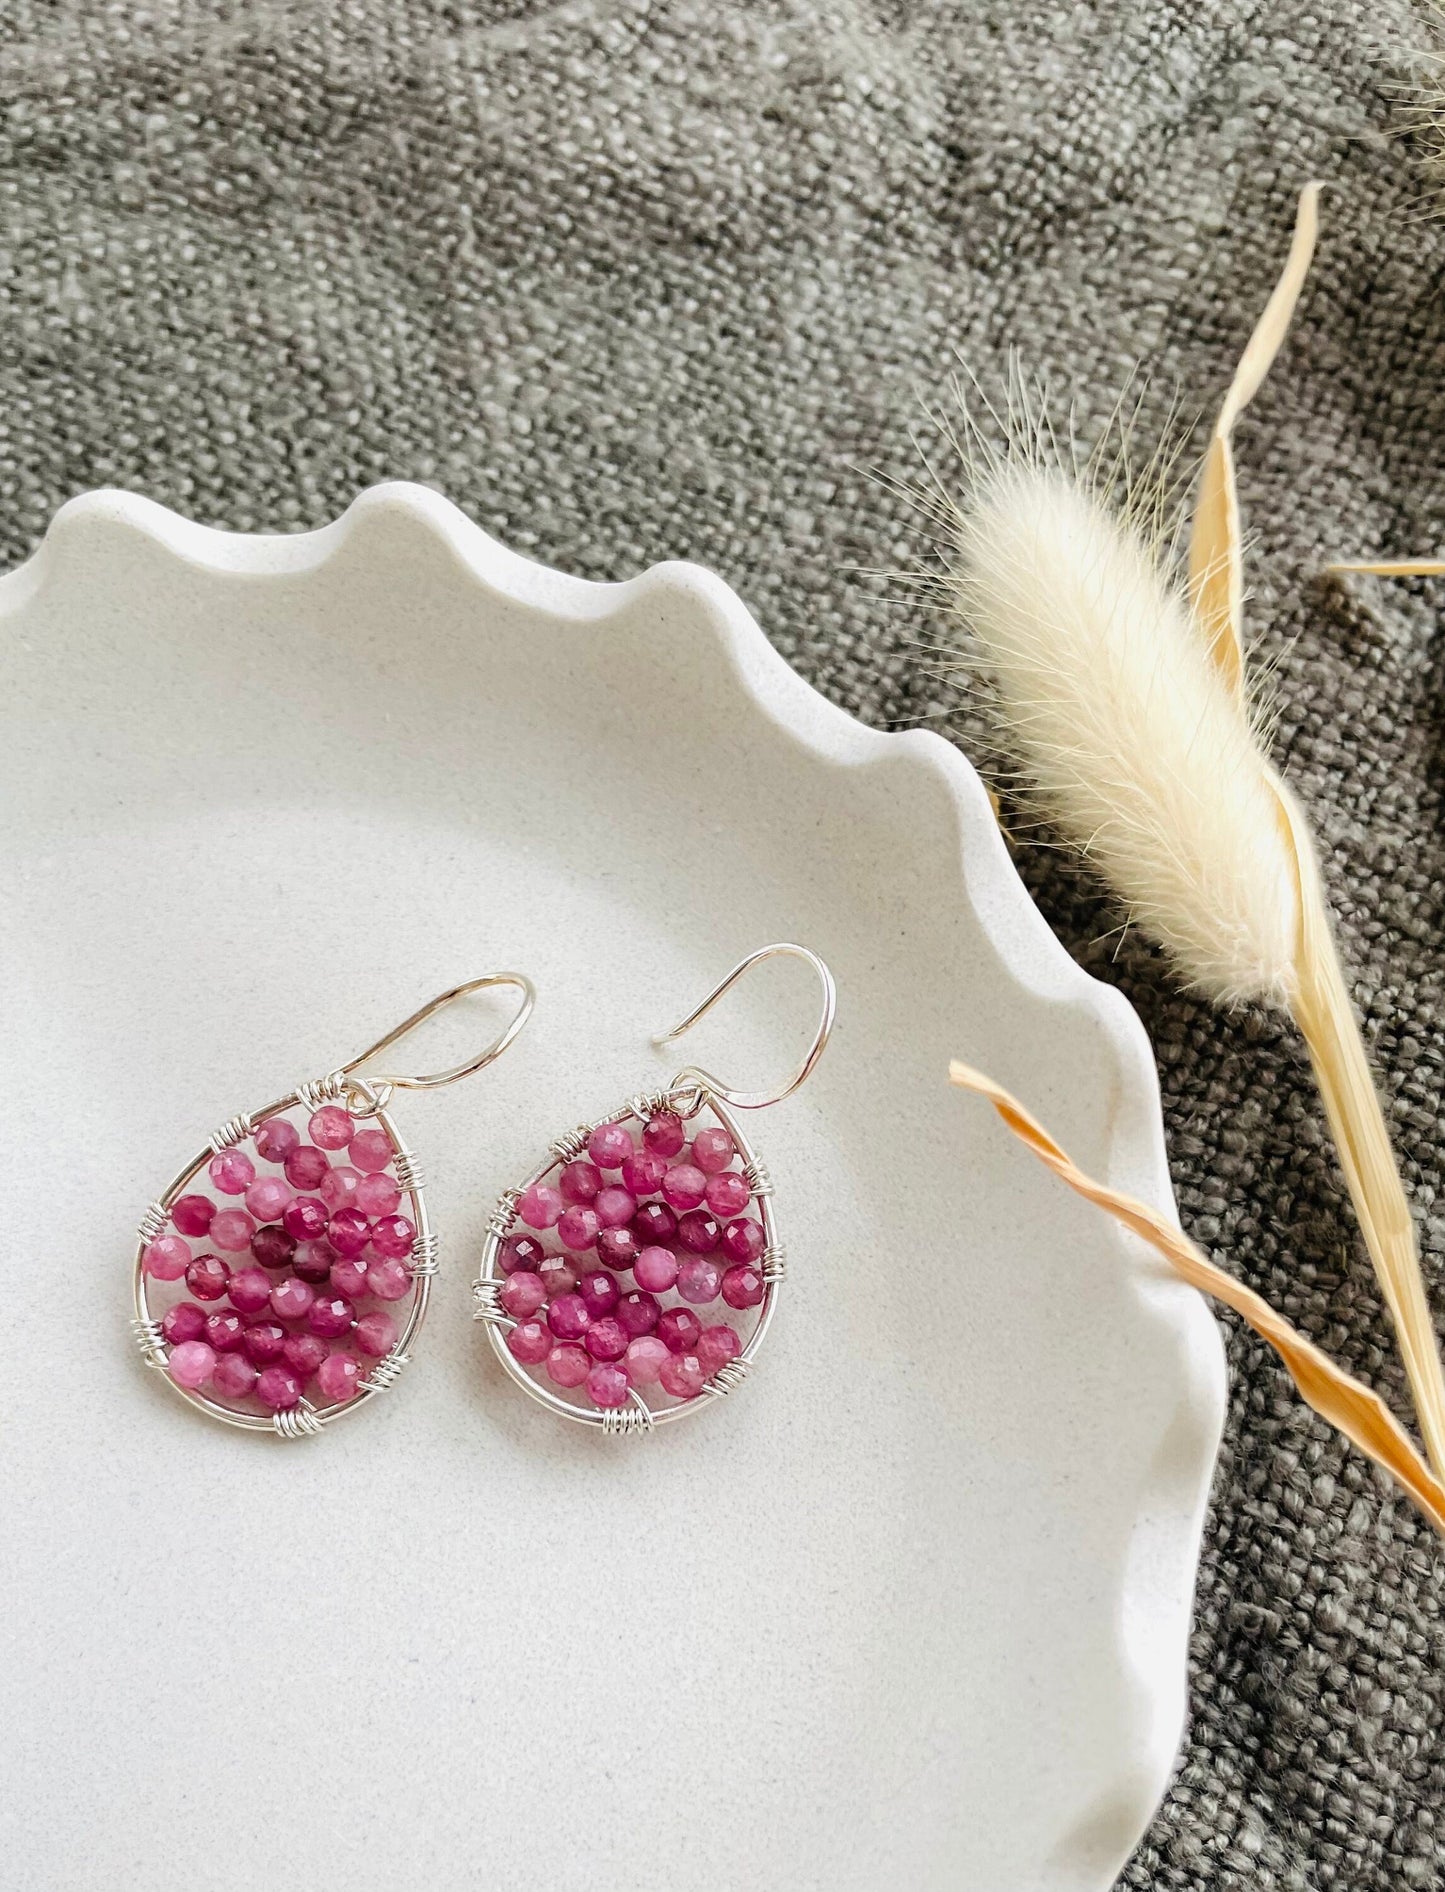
(278, 1388)
(337, 1376)
(681, 1375)
(520, 1252)
(375, 1334)
(348, 1276)
(578, 1228)
(716, 1346)
(654, 1222)
(600, 1293)
(377, 1194)
(312, 1260)
(608, 1384)
(617, 1248)
(303, 1353)
(306, 1165)
(579, 1182)
(684, 1186)
(331, 1127)
(522, 1295)
(331, 1316)
(643, 1172)
(305, 1217)
(232, 1172)
(191, 1364)
(728, 1194)
(568, 1365)
(184, 1321)
(371, 1150)
(557, 1278)
(679, 1330)
(232, 1229)
(263, 1340)
(267, 1197)
(234, 1377)
(644, 1358)
(207, 1277)
(393, 1237)
(225, 1330)
(530, 1342)
(713, 1150)
(615, 1207)
(656, 1270)
(275, 1139)
(348, 1231)
(698, 1280)
(610, 1145)
(568, 1317)
(743, 1240)
(638, 1313)
(249, 1290)
(339, 1186)
(167, 1258)
(698, 1231)
(742, 1286)
(664, 1134)
(192, 1214)
(272, 1246)
(606, 1339)
(541, 1206)
(389, 1279)
(291, 1299)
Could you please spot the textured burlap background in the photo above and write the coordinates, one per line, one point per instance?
(649, 278)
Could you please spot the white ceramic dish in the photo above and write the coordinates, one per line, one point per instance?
(908, 1610)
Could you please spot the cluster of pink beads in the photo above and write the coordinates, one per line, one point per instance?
(669, 1214)
(307, 1247)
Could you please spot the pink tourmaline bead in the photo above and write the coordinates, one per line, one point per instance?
(331, 1127)
(578, 1228)
(664, 1134)
(617, 1248)
(234, 1377)
(728, 1194)
(610, 1145)
(644, 1358)
(681, 1375)
(579, 1182)
(698, 1231)
(389, 1279)
(292, 1299)
(313, 1260)
(225, 1330)
(167, 1257)
(638, 1313)
(557, 1278)
(232, 1172)
(530, 1342)
(207, 1277)
(377, 1195)
(600, 1292)
(698, 1280)
(263, 1340)
(250, 1290)
(267, 1197)
(303, 1353)
(654, 1222)
(656, 1270)
(522, 1295)
(643, 1172)
(305, 1166)
(184, 1321)
(679, 1329)
(371, 1150)
(568, 1317)
(191, 1364)
(278, 1388)
(684, 1186)
(272, 1246)
(192, 1214)
(348, 1231)
(713, 1150)
(348, 1276)
(375, 1334)
(568, 1365)
(608, 1384)
(742, 1286)
(331, 1316)
(393, 1237)
(520, 1252)
(232, 1229)
(606, 1339)
(305, 1218)
(615, 1207)
(339, 1186)
(716, 1346)
(337, 1376)
(275, 1139)
(541, 1206)
(743, 1240)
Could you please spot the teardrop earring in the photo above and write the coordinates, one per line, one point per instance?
(278, 1284)
(669, 1190)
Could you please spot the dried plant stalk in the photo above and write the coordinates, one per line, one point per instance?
(1362, 1416)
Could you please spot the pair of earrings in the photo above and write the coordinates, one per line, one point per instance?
(283, 1277)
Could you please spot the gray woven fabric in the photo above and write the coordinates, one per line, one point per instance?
(657, 277)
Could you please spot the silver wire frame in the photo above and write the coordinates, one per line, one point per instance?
(687, 1097)
(302, 1419)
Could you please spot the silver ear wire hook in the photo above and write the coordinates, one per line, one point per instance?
(433, 1080)
(759, 1100)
